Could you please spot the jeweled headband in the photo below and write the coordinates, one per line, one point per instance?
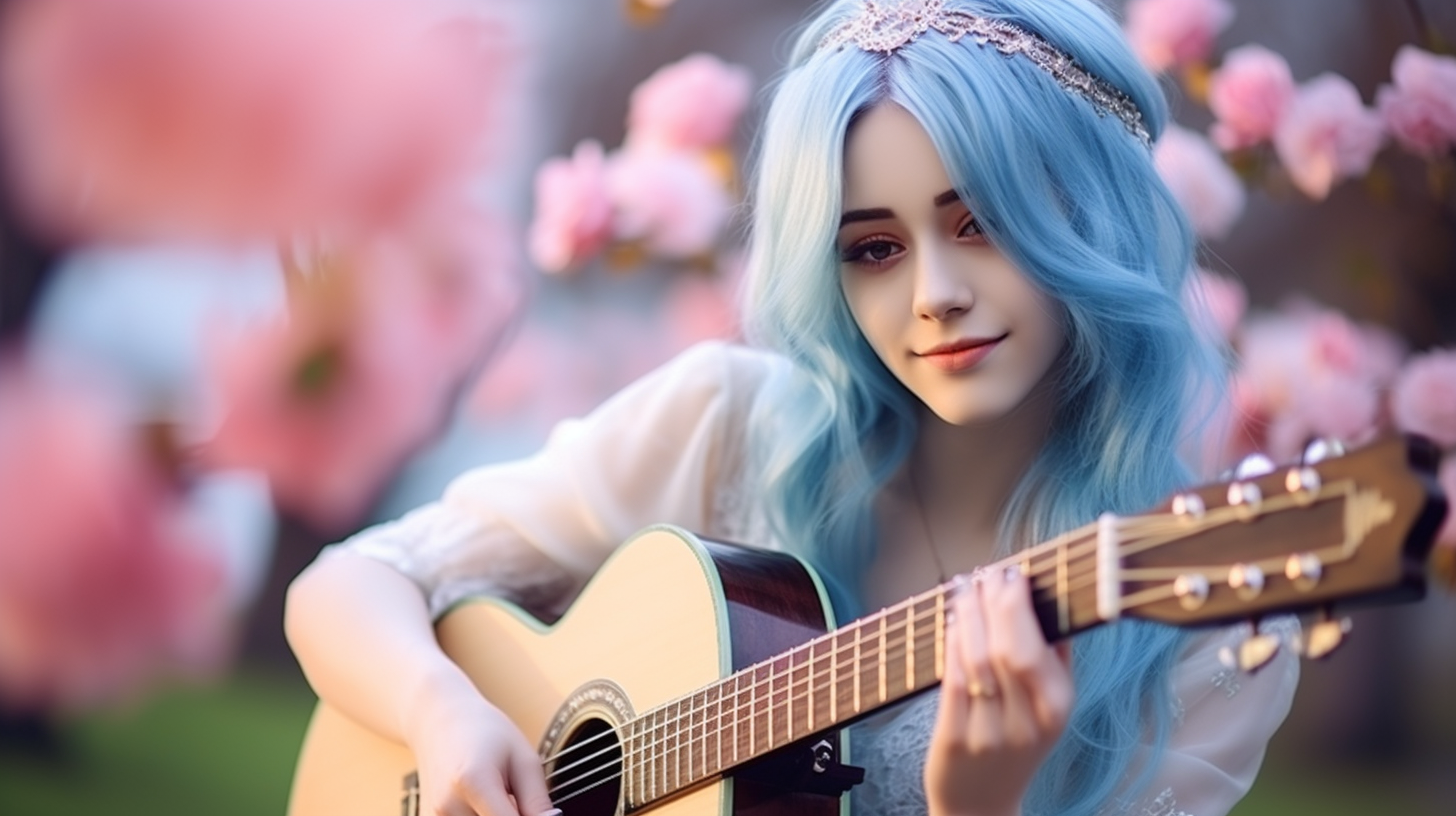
(884, 27)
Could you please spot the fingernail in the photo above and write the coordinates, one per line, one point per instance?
(1011, 574)
(551, 812)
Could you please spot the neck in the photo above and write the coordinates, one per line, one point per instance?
(965, 474)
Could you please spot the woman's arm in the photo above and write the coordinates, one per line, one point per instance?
(360, 618)
(363, 635)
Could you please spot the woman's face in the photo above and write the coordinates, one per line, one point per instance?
(948, 314)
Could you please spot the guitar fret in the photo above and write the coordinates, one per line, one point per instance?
(716, 693)
(939, 636)
(912, 647)
(892, 661)
(771, 704)
(640, 737)
(652, 749)
(676, 731)
(1064, 610)
(883, 649)
(802, 669)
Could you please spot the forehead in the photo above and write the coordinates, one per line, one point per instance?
(889, 161)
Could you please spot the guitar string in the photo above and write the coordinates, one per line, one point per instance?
(796, 690)
(1074, 544)
(1077, 543)
(1037, 563)
(676, 769)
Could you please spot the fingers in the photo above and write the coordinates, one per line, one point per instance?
(529, 784)
(1035, 676)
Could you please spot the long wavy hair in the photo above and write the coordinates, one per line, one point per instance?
(1074, 201)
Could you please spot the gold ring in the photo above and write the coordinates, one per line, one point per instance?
(977, 690)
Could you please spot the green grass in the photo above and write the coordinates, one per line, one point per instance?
(229, 750)
(218, 750)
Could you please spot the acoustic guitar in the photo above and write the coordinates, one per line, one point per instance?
(699, 677)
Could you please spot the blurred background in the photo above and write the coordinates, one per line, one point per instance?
(579, 223)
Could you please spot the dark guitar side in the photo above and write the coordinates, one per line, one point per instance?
(773, 605)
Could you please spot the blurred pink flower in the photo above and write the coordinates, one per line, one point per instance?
(1420, 108)
(1337, 407)
(671, 201)
(1216, 301)
(1249, 94)
(692, 104)
(364, 370)
(1424, 398)
(1203, 183)
(573, 217)
(1308, 371)
(103, 589)
(240, 118)
(1327, 135)
(1173, 33)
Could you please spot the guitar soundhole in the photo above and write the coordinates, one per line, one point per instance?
(585, 779)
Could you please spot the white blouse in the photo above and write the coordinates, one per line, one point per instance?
(669, 449)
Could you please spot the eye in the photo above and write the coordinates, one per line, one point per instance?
(971, 228)
(872, 251)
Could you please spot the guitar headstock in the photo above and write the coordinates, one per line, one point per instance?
(1352, 528)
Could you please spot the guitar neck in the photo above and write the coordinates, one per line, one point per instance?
(1304, 538)
(836, 678)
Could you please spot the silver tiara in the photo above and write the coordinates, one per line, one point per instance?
(885, 27)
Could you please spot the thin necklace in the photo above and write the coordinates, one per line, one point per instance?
(925, 522)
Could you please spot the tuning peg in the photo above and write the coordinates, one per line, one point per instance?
(1253, 466)
(1322, 449)
(1254, 653)
(1323, 636)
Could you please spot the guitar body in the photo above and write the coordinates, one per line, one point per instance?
(668, 614)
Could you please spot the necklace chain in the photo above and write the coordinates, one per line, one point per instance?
(925, 523)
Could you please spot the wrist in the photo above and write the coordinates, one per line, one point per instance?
(442, 690)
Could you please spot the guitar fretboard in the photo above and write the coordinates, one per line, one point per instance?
(834, 679)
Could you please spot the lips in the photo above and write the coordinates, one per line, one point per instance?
(961, 355)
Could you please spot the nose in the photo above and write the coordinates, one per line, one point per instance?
(941, 292)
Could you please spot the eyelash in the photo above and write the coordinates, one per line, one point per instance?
(858, 253)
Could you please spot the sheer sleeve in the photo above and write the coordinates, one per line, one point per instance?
(1225, 718)
(664, 450)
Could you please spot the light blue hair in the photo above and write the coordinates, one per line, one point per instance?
(1074, 201)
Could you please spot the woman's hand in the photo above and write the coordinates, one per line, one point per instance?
(1004, 700)
(472, 759)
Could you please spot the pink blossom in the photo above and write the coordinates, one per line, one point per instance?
(1420, 109)
(363, 371)
(1335, 407)
(1327, 135)
(102, 586)
(1173, 33)
(692, 104)
(670, 201)
(1217, 302)
(1308, 372)
(1203, 183)
(1424, 398)
(239, 118)
(573, 209)
(1249, 94)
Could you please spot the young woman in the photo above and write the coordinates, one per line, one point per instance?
(965, 302)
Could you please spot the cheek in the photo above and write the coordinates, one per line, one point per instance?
(864, 307)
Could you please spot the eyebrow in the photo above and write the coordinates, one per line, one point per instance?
(877, 213)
